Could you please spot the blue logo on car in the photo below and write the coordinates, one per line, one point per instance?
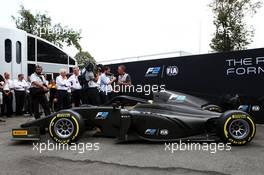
(101, 115)
(152, 72)
(177, 98)
(180, 98)
(243, 108)
(150, 131)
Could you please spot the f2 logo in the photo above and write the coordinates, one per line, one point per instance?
(150, 132)
(152, 72)
(101, 115)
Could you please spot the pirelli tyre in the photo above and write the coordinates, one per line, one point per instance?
(236, 127)
(66, 127)
(213, 108)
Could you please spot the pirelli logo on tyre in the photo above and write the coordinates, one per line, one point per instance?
(239, 129)
(239, 116)
(64, 128)
(63, 115)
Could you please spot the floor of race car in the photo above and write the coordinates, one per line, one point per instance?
(130, 158)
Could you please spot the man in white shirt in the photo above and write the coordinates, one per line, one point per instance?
(2, 82)
(76, 87)
(37, 91)
(7, 95)
(63, 86)
(124, 79)
(106, 84)
(20, 87)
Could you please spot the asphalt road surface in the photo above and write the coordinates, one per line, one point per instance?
(104, 156)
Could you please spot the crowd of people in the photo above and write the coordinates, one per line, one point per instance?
(35, 95)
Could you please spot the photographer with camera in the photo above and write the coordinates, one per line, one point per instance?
(88, 80)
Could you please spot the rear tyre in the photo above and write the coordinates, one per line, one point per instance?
(236, 127)
(66, 127)
(213, 108)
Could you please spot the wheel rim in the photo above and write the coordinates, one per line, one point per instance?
(239, 129)
(64, 128)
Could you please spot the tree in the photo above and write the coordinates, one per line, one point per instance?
(232, 33)
(83, 57)
(41, 25)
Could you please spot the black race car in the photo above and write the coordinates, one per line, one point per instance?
(170, 116)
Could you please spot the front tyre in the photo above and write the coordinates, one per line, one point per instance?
(236, 127)
(66, 127)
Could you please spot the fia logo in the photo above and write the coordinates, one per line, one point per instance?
(172, 70)
(164, 132)
(255, 108)
(152, 72)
